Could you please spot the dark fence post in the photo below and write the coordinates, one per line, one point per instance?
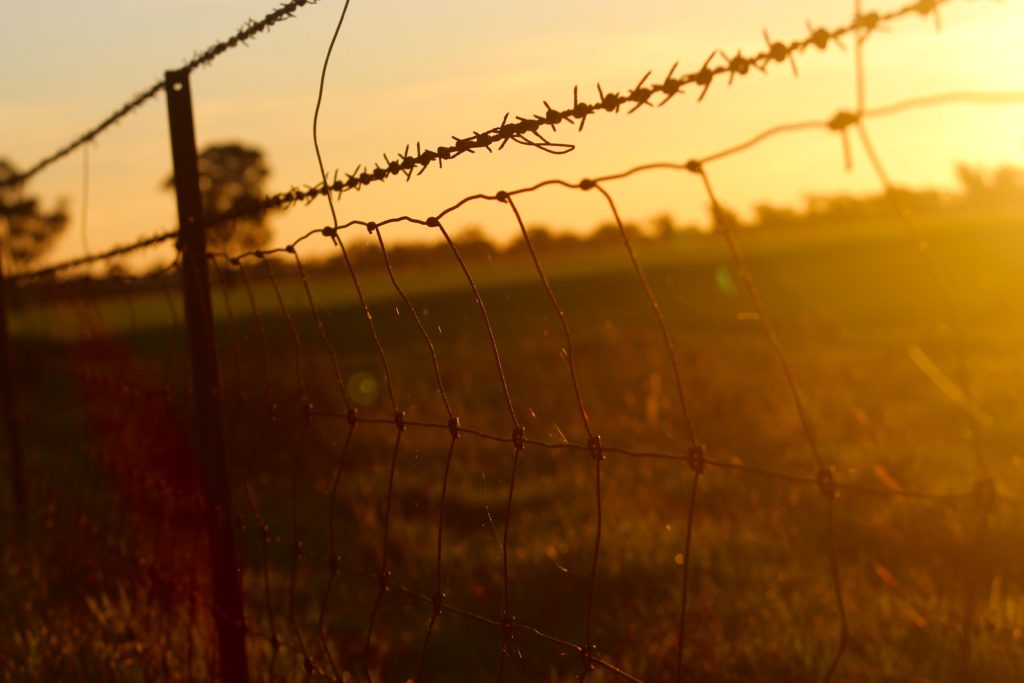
(209, 415)
(17, 464)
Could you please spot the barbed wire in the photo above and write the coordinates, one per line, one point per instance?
(528, 130)
(277, 622)
(608, 102)
(249, 30)
(98, 257)
(520, 130)
(839, 123)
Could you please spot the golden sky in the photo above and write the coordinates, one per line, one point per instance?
(407, 71)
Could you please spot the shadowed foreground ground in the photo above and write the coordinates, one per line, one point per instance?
(103, 380)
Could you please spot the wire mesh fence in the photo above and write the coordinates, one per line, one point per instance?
(518, 465)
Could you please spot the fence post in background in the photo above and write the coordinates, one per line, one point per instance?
(209, 410)
(9, 397)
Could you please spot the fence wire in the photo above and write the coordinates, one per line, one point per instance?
(523, 130)
(359, 519)
(251, 29)
(530, 130)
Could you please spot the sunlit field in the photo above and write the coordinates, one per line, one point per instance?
(932, 586)
(574, 342)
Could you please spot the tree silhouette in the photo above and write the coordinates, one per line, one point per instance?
(231, 178)
(29, 230)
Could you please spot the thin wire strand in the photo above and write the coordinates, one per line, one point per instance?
(85, 200)
(947, 305)
(508, 626)
(249, 30)
(526, 130)
(593, 441)
(825, 476)
(696, 452)
(335, 363)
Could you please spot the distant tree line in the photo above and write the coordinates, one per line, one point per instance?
(1000, 189)
(980, 190)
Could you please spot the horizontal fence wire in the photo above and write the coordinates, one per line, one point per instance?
(694, 458)
(839, 123)
(326, 593)
(529, 130)
(248, 31)
(693, 167)
(98, 257)
(717, 65)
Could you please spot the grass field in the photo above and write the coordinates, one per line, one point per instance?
(856, 311)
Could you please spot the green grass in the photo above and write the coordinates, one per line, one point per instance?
(850, 303)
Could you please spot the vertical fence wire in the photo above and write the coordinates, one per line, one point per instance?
(133, 397)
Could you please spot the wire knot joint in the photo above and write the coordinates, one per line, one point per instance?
(437, 601)
(508, 627)
(695, 457)
(843, 119)
(518, 438)
(587, 655)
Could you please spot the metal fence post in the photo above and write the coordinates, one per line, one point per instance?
(9, 396)
(209, 410)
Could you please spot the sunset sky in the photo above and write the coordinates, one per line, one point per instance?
(407, 71)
